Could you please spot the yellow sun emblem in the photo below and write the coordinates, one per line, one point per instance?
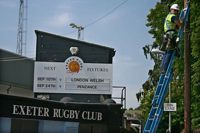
(74, 64)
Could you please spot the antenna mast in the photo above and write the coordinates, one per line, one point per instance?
(22, 28)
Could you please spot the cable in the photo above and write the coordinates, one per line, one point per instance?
(100, 18)
(108, 13)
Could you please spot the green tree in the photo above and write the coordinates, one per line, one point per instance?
(195, 48)
(155, 20)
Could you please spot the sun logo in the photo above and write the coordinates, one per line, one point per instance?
(74, 64)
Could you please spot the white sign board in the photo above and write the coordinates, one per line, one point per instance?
(72, 76)
(169, 106)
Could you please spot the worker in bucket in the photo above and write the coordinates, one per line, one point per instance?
(170, 41)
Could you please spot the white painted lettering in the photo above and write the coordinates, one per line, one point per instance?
(71, 114)
(76, 114)
(15, 109)
(55, 113)
(40, 111)
(28, 110)
(34, 111)
(22, 110)
(87, 115)
(46, 112)
(84, 115)
(99, 116)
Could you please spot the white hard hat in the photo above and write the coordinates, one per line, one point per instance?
(175, 7)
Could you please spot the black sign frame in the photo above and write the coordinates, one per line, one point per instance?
(31, 108)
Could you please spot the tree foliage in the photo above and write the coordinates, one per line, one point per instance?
(155, 21)
(195, 52)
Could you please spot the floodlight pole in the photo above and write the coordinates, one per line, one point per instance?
(79, 28)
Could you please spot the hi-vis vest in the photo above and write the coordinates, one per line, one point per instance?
(169, 25)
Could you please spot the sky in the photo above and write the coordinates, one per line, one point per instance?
(119, 24)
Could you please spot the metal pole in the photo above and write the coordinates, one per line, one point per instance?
(79, 28)
(124, 97)
(169, 111)
(79, 33)
(140, 128)
(187, 82)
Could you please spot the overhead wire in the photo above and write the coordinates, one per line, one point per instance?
(108, 13)
(105, 15)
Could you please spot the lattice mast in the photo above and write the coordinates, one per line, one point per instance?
(22, 28)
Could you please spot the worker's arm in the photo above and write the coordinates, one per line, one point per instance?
(177, 22)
